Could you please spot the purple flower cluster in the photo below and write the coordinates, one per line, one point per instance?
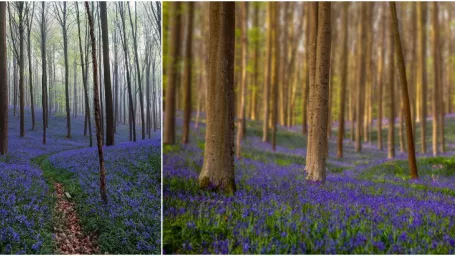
(133, 177)
(276, 211)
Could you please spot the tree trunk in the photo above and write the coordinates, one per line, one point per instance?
(244, 43)
(267, 72)
(97, 108)
(172, 69)
(275, 72)
(318, 139)
(436, 79)
(187, 76)
(404, 94)
(218, 168)
(391, 128)
(344, 69)
(381, 57)
(362, 70)
(110, 139)
(3, 83)
(422, 71)
(313, 33)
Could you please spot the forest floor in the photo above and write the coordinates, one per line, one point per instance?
(367, 205)
(49, 194)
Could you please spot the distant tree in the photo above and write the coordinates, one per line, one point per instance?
(361, 60)
(187, 76)
(110, 139)
(3, 83)
(404, 93)
(344, 70)
(267, 73)
(84, 77)
(96, 97)
(391, 75)
(242, 110)
(28, 24)
(218, 168)
(422, 71)
(317, 141)
(62, 17)
(436, 73)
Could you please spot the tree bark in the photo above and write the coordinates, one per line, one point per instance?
(3, 83)
(436, 79)
(267, 72)
(244, 43)
(404, 94)
(317, 165)
(422, 72)
(344, 70)
(275, 72)
(218, 168)
(96, 97)
(391, 128)
(361, 81)
(187, 76)
(110, 137)
(172, 72)
(44, 68)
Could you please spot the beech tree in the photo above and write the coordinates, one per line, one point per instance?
(218, 168)
(316, 167)
(3, 83)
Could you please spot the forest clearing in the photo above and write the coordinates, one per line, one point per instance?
(308, 128)
(74, 176)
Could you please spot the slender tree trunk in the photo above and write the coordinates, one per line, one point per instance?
(381, 57)
(275, 72)
(96, 97)
(218, 168)
(187, 76)
(75, 99)
(44, 68)
(3, 82)
(404, 93)
(361, 82)
(20, 7)
(422, 72)
(344, 68)
(171, 87)
(318, 140)
(244, 43)
(267, 72)
(30, 71)
(110, 137)
(391, 96)
(436, 78)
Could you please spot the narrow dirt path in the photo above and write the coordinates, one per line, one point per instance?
(68, 235)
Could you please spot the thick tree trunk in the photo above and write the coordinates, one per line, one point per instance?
(3, 83)
(404, 93)
(187, 76)
(172, 72)
(96, 96)
(313, 33)
(218, 168)
(110, 138)
(344, 69)
(318, 140)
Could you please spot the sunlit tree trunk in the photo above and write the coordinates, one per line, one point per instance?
(275, 71)
(267, 72)
(436, 73)
(404, 94)
(422, 71)
(317, 165)
(361, 82)
(391, 96)
(172, 72)
(380, 74)
(218, 168)
(242, 110)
